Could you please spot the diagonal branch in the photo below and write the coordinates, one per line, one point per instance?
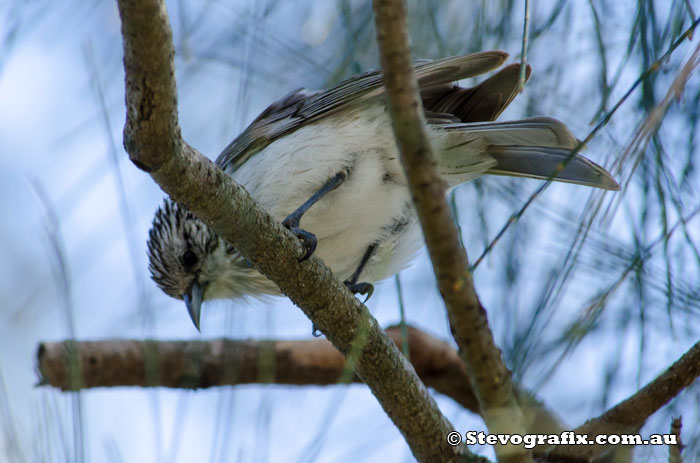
(154, 143)
(630, 415)
(491, 379)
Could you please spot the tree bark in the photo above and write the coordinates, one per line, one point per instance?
(154, 143)
(491, 380)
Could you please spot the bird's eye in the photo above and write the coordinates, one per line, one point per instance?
(189, 258)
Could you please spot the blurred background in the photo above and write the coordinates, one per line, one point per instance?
(590, 295)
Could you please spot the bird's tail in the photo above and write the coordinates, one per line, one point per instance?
(535, 148)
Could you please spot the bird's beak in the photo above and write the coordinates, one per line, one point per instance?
(193, 301)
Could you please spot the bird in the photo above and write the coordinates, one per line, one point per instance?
(326, 164)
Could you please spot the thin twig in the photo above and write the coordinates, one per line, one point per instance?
(675, 450)
(402, 315)
(523, 52)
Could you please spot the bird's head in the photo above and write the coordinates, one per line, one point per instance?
(189, 261)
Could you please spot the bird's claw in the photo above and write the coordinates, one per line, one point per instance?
(308, 239)
(364, 288)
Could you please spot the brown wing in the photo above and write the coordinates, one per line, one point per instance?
(302, 107)
(485, 102)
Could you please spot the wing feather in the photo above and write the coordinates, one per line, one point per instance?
(301, 107)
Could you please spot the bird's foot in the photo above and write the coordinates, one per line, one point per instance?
(364, 288)
(308, 239)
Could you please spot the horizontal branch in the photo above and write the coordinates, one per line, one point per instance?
(226, 362)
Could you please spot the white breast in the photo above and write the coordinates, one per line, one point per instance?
(373, 205)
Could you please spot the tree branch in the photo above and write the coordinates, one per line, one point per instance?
(491, 380)
(675, 450)
(152, 138)
(225, 362)
(630, 415)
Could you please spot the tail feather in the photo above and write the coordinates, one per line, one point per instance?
(533, 148)
(544, 163)
(535, 131)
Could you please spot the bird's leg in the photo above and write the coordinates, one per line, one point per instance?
(363, 288)
(292, 221)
